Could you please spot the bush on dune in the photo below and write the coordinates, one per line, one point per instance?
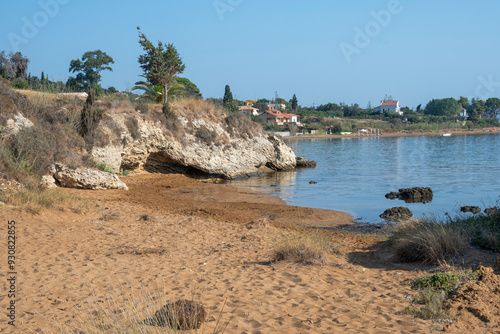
(431, 241)
(426, 241)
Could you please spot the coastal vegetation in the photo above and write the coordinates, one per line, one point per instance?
(160, 64)
(307, 247)
(432, 241)
(89, 69)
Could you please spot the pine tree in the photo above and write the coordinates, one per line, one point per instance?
(42, 77)
(160, 64)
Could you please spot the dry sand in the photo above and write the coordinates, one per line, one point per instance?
(209, 242)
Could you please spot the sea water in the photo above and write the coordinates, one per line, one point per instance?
(354, 174)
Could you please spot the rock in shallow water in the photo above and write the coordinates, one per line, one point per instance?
(304, 163)
(399, 213)
(412, 195)
(469, 208)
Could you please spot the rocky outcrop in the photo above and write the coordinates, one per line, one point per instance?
(304, 163)
(470, 208)
(155, 148)
(412, 195)
(14, 124)
(399, 213)
(83, 178)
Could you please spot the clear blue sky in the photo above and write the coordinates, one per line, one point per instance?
(421, 50)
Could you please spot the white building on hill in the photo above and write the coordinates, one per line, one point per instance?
(392, 105)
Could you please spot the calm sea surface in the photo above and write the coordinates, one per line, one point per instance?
(354, 174)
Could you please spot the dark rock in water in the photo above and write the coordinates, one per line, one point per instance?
(312, 182)
(469, 208)
(412, 195)
(304, 163)
(392, 195)
(491, 211)
(415, 193)
(183, 314)
(399, 213)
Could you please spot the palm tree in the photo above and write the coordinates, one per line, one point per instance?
(156, 92)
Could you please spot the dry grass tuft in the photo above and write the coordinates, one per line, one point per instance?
(241, 126)
(141, 312)
(197, 109)
(35, 200)
(310, 247)
(426, 241)
(183, 314)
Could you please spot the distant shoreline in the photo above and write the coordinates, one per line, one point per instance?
(485, 131)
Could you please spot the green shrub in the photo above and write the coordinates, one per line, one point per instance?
(432, 305)
(20, 83)
(433, 290)
(443, 281)
(483, 230)
(101, 166)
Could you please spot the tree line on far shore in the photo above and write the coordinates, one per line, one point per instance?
(161, 65)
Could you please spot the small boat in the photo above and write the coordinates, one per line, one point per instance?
(446, 134)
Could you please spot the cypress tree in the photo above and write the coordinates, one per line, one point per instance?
(227, 101)
(294, 102)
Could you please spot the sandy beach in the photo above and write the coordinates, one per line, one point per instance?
(176, 237)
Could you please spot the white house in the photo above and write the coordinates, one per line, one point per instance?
(292, 118)
(276, 106)
(248, 110)
(279, 118)
(392, 106)
(463, 113)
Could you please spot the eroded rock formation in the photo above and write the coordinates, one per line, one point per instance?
(200, 147)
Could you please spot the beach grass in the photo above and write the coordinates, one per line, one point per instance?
(482, 230)
(426, 240)
(35, 199)
(142, 312)
(307, 247)
(431, 241)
